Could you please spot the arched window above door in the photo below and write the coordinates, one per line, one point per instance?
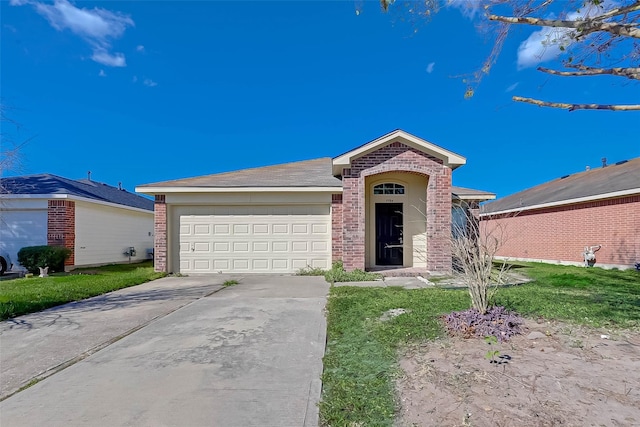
(388, 188)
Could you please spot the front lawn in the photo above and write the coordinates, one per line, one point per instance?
(362, 350)
(28, 295)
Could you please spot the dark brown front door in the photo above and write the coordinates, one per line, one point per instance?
(388, 233)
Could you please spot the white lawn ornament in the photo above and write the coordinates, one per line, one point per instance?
(44, 272)
(589, 255)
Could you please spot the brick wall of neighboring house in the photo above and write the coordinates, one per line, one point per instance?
(560, 233)
(61, 226)
(397, 157)
(336, 227)
(160, 233)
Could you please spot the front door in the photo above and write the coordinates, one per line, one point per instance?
(388, 233)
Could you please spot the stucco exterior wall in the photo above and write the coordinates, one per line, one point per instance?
(559, 234)
(103, 233)
(414, 207)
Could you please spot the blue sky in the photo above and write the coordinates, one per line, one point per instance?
(125, 89)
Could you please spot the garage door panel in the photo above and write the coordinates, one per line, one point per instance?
(201, 264)
(319, 228)
(280, 264)
(260, 246)
(260, 264)
(300, 228)
(240, 264)
(280, 246)
(240, 246)
(220, 264)
(221, 229)
(255, 239)
(200, 247)
(221, 246)
(300, 246)
(280, 228)
(260, 229)
(319, 246)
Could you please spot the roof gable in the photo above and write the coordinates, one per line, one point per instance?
(449, 158)
(48, 184)
(614, 180)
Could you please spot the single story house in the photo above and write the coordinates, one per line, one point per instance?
(98, 222)
(555, 221)
(384, 204)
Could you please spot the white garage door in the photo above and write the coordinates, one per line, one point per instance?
(256, 239)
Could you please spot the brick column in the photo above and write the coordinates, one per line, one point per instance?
(439, 222)
(160, 234)
(336, 227)
(353, 230)
(61, 226)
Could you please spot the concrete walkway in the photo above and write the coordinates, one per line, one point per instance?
(247, 355)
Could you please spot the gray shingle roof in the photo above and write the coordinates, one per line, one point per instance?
(308, 173)
(621, 176)
(469, 192)
(53, 184)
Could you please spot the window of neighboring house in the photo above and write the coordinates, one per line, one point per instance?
(388, 188)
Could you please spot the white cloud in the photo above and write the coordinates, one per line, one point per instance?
(541, 46)
(135, 79)
(140, 48)
(512, 87)
(430, 67)
(102, 73)
(468, 8)
(544, 45)
(96, 26)
(109, 59)
(149, 83)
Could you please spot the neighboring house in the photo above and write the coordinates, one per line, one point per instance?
(385, 204)
(553, 222)
(99, 223)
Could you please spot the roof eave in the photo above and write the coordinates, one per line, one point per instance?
(574, 201)
(165, 190)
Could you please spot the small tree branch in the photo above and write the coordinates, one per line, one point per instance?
(633, 7)
(573, 107)
(630, 73)
(584, 27)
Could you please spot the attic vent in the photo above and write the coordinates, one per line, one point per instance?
(622, 162)
(566, 176)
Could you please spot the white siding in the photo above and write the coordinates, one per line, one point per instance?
(22, 223)
(104, 233)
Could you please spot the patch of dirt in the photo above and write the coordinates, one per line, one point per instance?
(566, 376)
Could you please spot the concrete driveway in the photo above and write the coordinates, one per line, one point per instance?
(247, 355)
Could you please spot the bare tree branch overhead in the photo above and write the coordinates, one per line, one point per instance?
(573, 107)
(591, 38)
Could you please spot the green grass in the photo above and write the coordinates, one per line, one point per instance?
(338, 274)
(230, 282)
(28, 295)
(360, 361)
(361, 357)
(587, 296)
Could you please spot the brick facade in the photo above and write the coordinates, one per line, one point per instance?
(397, 157)
(160, 234)
(560, 233)
(61, 226)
